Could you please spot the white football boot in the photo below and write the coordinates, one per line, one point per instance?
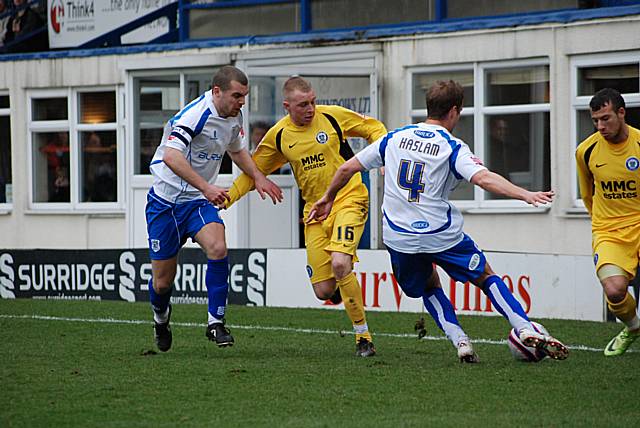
(547, 344)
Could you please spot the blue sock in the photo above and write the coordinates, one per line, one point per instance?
(502, 299)
(217, 287)
(159, 302)
(441, 309)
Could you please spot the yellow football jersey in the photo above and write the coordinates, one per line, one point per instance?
(314, 151)
(609, 175)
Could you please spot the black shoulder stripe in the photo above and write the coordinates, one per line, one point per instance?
(279, 140)
(345, 149)
(187, 130)
(587, 153)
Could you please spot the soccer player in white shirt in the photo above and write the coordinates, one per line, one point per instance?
(182, 202)
(423, 163)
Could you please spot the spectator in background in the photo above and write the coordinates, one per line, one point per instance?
(23, 23)
(57, 153)
(100, 170)
(258, 129)
(5, 16)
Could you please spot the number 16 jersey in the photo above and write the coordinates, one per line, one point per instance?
(423, 164)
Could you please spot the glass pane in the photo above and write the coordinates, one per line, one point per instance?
(358, 13)
(5, 160)
(466, 8)
(158, 99)
(98, 107)
(4, 101)
(51, 167)
(517, 147)
(244, 20)
(624, 78)
(464, 131)
(422, 82)
(197, 84)
(98, 166)
(50, 108)
(149, 141)
(526, 85)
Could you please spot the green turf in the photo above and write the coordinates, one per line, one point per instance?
(71, 373)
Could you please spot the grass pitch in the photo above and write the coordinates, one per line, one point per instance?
(94, 364)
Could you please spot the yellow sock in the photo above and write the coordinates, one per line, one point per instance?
(625, 310)
(352, 298)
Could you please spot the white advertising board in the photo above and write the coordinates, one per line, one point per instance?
(547, 286)
(75, 22)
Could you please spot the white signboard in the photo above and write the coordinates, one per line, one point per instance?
(547, 286)
(75, 22)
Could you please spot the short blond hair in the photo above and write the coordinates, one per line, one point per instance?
(295, 83)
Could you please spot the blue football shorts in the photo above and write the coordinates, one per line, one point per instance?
(463, 262)
(169, 225)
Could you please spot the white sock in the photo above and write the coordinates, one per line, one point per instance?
(212, 319)
(161, 318)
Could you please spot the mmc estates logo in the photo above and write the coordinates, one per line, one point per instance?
(76, 10)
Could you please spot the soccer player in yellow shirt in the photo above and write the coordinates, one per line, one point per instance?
(312, 139)
(609, 175)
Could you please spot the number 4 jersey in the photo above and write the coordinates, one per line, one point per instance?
(423, 164)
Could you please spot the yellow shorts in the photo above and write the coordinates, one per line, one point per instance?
(340, 232)
(619, 247)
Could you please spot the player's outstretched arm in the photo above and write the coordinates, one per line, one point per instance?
(262, 184)
(495, 183)
(321, 208)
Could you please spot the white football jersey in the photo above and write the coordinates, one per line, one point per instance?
(423, 164)
(203, 137)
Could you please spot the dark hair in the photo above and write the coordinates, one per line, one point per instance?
(607, 96)
(442, 96)
(260, 124)
(226, 75)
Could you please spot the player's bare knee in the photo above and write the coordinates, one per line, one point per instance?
(341, 268)
(216, 250)
(324, 290)
(615, 290)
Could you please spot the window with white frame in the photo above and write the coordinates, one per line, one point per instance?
(6, 194)
(620, 71)
(505, 122)
(74, 149)
(157, 98)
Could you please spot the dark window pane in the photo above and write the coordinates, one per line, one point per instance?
(4, 101)
(50, 109)
(517, 147)
(5, 160)
(466, 8)
(98, 107)
(528, 85)
(328, 14)
(422, 82)
(464, 131)
(98, 166)
(243, 21)
(624, 78)
(158, 99)
(51, 167)
(149, 141)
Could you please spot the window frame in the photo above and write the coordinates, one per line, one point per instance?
(479, 111)
(73, 126)
(581, 103)
(7, 207)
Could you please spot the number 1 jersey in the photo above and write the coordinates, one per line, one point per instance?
(423, 164)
